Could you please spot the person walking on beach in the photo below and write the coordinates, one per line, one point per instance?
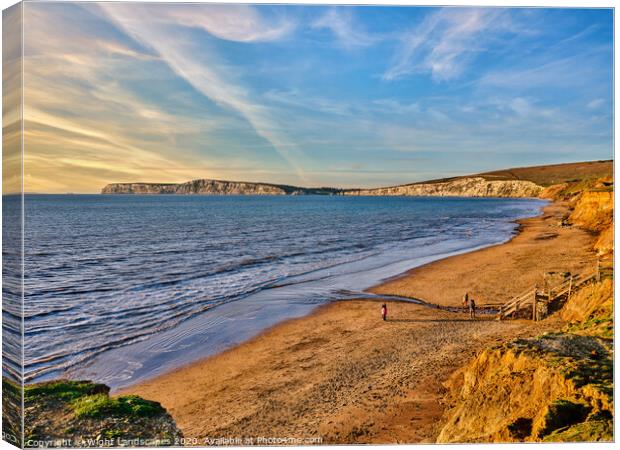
(472, 308)
(384, 311)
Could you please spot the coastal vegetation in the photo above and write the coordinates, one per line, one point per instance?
(12, 412)
(554, 174)
(81, 413)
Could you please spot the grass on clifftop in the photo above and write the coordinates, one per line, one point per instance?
(101, 405)
(63, 389)
(91, 400)
(545, 176)
(555, 173)
(11, 412)
(590, 431)
(81, 410)
(573, 188)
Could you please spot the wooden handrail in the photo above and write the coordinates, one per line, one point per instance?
(527, 296)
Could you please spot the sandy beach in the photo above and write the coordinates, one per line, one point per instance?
(495, 274)
(343, 375)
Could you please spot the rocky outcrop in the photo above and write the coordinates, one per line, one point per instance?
(460, 187)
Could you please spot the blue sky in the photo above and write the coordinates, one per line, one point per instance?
(337, 96)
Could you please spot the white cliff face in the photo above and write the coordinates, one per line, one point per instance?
(461, 187)
(214, 187)
(139, 188)
(211, 187)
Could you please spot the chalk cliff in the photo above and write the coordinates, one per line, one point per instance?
(459, 187)
(139, 188)
(228, 188)
(213, 187)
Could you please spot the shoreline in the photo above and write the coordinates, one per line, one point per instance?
(286, 362)
(234, 322)
(449, 270)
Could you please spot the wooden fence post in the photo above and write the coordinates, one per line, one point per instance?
(516, 313)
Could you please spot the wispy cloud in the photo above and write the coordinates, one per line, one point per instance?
(596, 103)
(157, 92)
(293, 98)
(577, 69)
(11, 100)
(446, 41)
(347, 32)
(88, 120)
(240, 23)
(393, 106)
(202, 70)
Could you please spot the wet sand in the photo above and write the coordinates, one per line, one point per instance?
(345, 376)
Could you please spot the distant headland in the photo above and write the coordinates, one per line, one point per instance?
(515, 182)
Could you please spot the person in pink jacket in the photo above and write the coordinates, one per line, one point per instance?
(384, 311)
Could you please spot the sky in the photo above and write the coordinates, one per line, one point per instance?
(308, 95)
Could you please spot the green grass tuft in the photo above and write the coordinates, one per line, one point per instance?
(63, 390)
(100, 405)
(588, 431)
(564, 413)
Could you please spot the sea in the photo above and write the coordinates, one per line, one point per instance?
(121, 288)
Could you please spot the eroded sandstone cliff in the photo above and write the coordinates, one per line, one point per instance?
(558, 387)
(593, 210)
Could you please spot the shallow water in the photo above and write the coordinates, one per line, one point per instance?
(122, 288)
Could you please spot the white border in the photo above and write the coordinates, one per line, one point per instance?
(505, 3)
